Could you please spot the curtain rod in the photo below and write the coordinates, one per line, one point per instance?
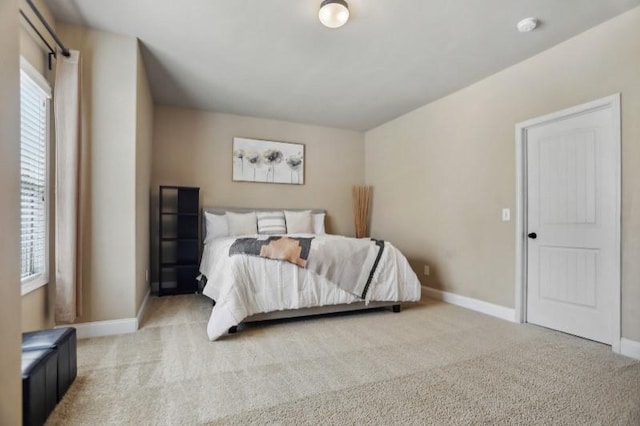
(33, 27)
(65, 51)
(51, 53)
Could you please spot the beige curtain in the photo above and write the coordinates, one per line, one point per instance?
(68, 187)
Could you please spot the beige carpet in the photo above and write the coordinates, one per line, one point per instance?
(431, 364)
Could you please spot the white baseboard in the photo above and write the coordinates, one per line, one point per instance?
(487, 308)
(143, 309)
(85, 330)
(630, 348)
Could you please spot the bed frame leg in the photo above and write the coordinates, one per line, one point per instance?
(233, 330)
(396, 308)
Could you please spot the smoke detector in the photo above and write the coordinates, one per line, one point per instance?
(527, 25)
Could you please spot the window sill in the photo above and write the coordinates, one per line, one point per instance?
(33, 284)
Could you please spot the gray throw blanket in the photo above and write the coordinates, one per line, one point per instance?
(348, 262)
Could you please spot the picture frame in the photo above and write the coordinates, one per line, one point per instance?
(265, 161)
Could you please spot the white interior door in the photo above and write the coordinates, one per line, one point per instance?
(572, 259)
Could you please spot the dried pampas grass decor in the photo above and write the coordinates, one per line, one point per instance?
(361, 197)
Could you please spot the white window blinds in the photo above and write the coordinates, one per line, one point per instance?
(33, 177)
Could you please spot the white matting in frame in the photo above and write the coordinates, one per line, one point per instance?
(256, 160)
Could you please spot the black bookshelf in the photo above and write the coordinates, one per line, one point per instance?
(178, 239)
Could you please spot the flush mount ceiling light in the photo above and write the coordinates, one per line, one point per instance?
(333, 13)
(527, 25)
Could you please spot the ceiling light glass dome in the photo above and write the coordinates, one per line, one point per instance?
(334, 13)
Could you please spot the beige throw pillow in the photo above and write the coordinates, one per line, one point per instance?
(242, 223)
(299, 222)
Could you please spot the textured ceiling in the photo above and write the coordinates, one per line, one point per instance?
(273, 59)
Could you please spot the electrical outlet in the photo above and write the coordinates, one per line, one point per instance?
(427, 270)
(506, 215)
(146, 275)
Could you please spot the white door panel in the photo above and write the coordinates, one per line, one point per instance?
(568, 178)
(568, 275)
(571, 197)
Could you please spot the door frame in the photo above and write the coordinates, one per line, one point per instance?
(610, 102)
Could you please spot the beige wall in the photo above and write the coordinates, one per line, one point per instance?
(37, 306)
(144, 130)
(442, 173)
(11, 400)
(193, 148)
(37, 311)
(109, 81)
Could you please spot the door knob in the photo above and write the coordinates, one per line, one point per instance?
(532, 235)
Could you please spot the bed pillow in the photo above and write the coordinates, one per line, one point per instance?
(299, 222)
(242, 223)
(318, 223)
(271, 223)
(216, 226)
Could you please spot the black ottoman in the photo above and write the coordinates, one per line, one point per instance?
(39, 385)
(64, 341)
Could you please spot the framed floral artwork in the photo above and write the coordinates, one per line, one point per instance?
(257, 160)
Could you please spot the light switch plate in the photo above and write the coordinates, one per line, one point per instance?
(506, 215)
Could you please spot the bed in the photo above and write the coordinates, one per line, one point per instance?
(268, 270)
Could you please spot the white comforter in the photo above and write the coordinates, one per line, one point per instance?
(246, 285)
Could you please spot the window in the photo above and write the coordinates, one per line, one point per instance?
(35, 94)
